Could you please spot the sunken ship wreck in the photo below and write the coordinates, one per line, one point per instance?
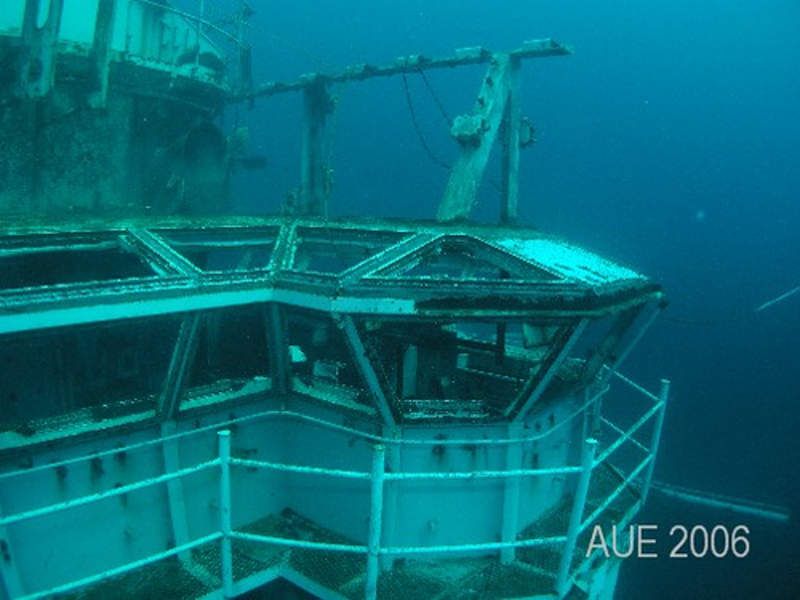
(200, 405)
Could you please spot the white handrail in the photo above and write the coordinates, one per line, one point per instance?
(224, 461)
(303, 417)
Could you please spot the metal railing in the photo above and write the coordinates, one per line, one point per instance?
(224, 33)
(378, 477)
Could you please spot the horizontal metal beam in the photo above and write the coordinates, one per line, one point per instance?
(408, 64)
(159, 254)
(100, 311)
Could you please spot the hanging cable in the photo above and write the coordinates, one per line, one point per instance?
(442, 109)
(434, 158)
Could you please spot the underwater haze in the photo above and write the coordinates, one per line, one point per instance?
(670, 142)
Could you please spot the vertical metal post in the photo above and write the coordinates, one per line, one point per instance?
(375, 521)
(278, 349)
(587, 463)
(315, 171)
(594, 413)
(510, 159)
(391, 500)
(511, 488)
(655, 441)
(225, 511)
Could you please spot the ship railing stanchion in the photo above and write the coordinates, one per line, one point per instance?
(511, 493)
(655, 441)
(375, 521)
(225, 511)
(581, 492)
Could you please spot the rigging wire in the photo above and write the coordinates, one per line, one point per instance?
(409, 102)
(418, 130)
(442, 109)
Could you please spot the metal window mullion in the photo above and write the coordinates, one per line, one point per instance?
(638, 336)
(157, 251)
(551, 370)
(367, 370)
(278, 348)
(389, 257)
(182, 357)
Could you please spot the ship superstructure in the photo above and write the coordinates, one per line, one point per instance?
(108, 107)
(201, 406)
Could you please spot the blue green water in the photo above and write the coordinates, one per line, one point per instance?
(669, 142)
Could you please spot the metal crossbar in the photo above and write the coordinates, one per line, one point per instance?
(621, 432)
(260, 464)
(636, 386)
(528, 543)
(483, 474)
(118, 491)
(257, 464)
(628, 435)
(627, 482)
(294, 543)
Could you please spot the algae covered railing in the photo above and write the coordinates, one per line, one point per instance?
(565, 542)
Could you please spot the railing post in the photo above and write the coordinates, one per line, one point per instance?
(391, 495)
(511, 488)
(655, 441)
(225, 511)
(375, 521)
(587, 463)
